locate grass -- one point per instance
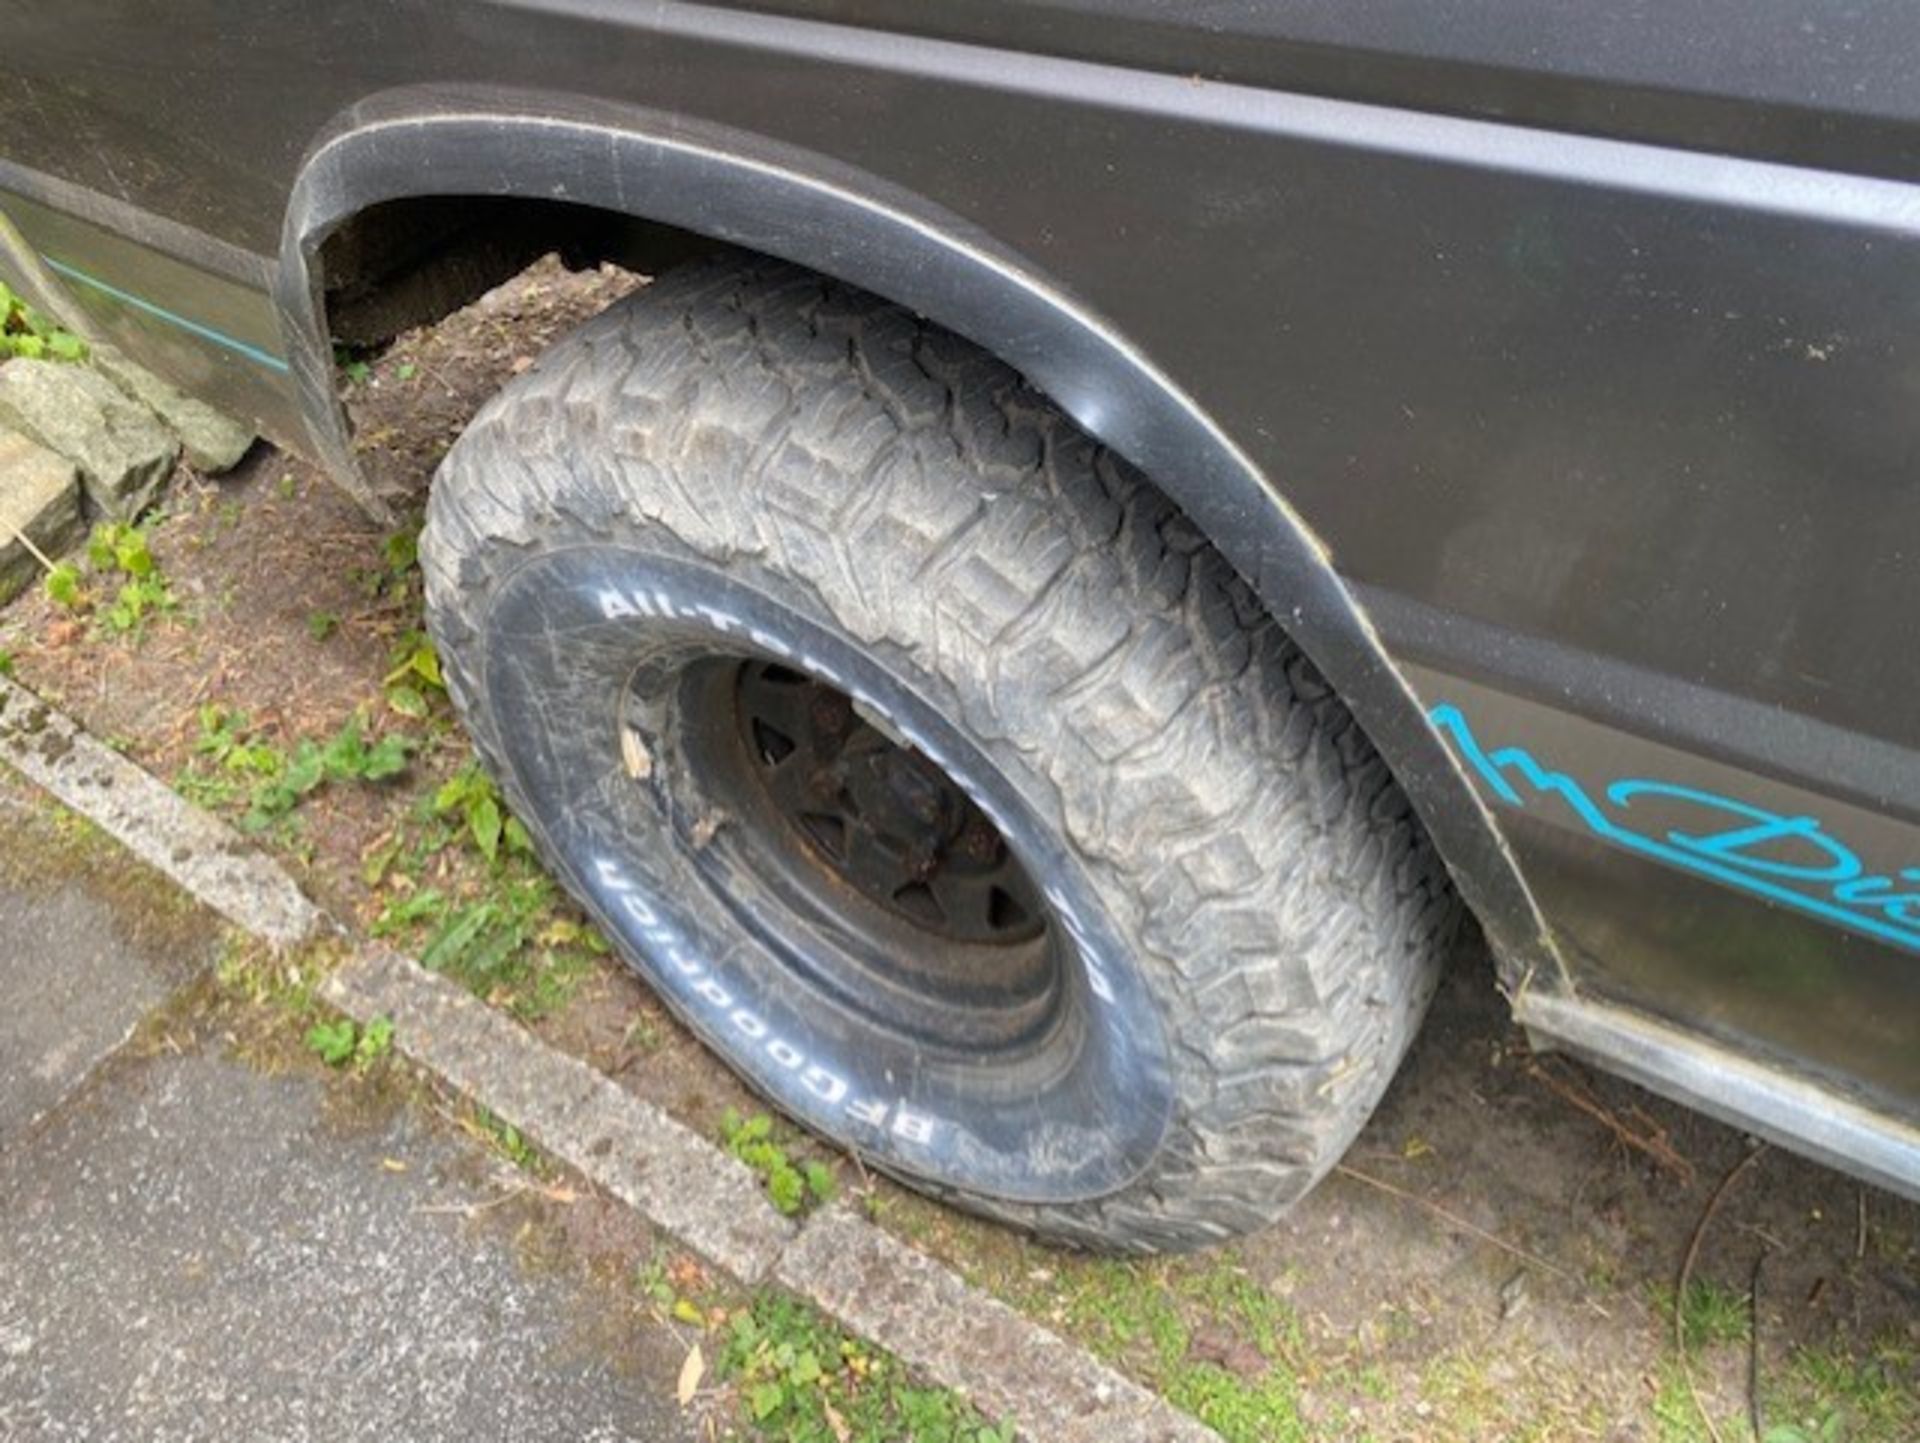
(1826, 1394)
(1710, 1315)
(1203, 1334)
(1676, 1418)
(1830, 1395)
(1480, 1393)
(1201, 1331)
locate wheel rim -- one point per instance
(940, 933)
(870, 811)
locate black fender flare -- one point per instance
(766, 196)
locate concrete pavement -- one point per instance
(191, 1248)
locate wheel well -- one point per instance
(362, 257)
(412, 262)
(406, 263)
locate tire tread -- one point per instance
(1253, 841)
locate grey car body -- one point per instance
(1551, 371)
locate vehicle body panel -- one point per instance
(1604, 426)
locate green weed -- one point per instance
(342, 1042)
(415, 682)
(65, 587)
(238, 767)
(790, 1184)
(123, 587)
(800, 1380)
(505, 1139)
(27, 334)
(507, 943)
(470, 795)
(500, 926)
(507, 947)
(354, 363)
(347, 756)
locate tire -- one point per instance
(1214, 924)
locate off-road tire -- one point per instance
(1253, 869)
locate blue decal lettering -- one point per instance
(1734, 846)
(1791, 860)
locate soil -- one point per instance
(1491, 1259)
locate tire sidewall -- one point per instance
(560, 637)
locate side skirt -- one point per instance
(1796, 1113)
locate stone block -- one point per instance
(212, 441)
(40, 499)
(122, 451)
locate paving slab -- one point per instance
(88, 945)
(195, 1250)
(123, 452)
(74, 992)
(40, 500)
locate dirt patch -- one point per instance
(1380, 1309)
(290, 602)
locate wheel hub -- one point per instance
(879, 816)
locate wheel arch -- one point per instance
(762, 195)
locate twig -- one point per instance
(1686, 1276)
(1755, 1415)
(1756, 1231)
(1860, 1237)
(34, 551)
(1652, 1142)
(1453, 1219)
(472, 1210)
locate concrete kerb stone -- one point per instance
(675, 1179)
(152, 821)
(875, 1285)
